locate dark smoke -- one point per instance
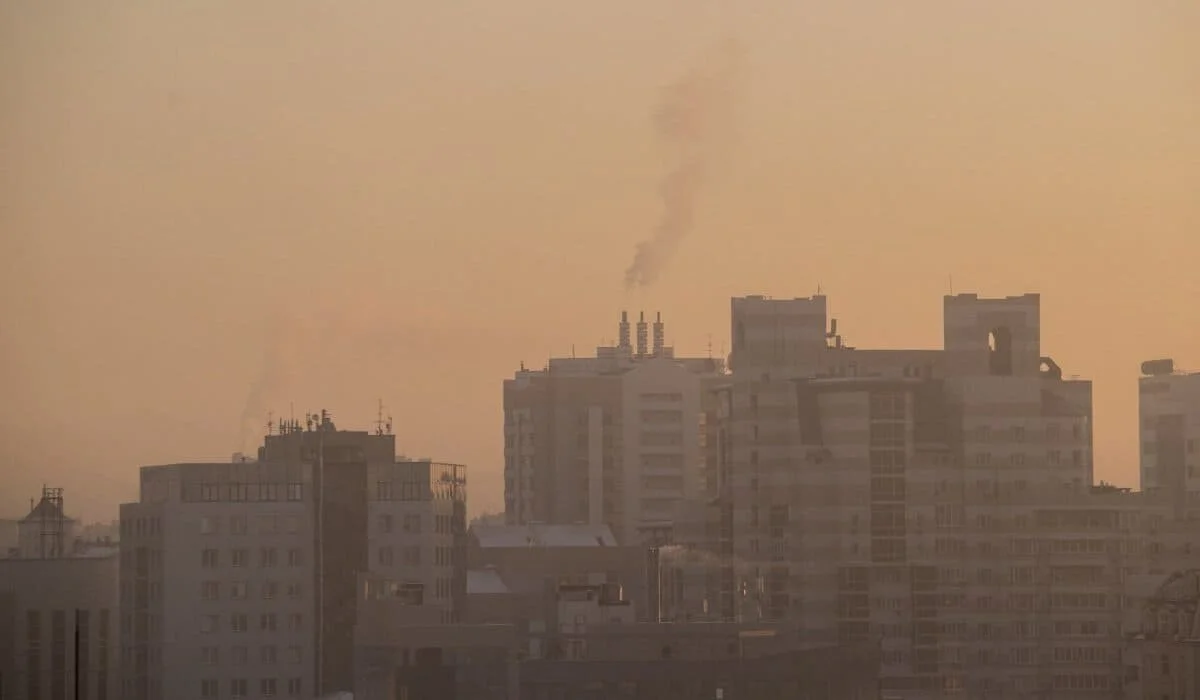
(693, 121)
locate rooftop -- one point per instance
(485, 582)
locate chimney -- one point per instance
(624, 332)
(641, 335)
(659, 337)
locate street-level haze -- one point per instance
(404, 201)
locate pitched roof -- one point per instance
(45, 509)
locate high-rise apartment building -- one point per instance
(242, 579)
(615, 439)
(1169, 408)
(939, 501)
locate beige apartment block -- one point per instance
(937, 501)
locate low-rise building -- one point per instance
(58, 612)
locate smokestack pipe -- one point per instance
(659, 336)
(623, 333)
(641, 335)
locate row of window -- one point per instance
(265, 524)
(210, 688)
(239, 623)
(240, 590)
(240, 656)
(268, 557)
(1054, 458)
(409, 556)
(211, 492)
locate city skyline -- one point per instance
(388, 219)
(94, 510)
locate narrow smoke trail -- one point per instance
(694, 123)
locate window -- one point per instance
(267, 656)
(209, 559)
(294, 590)
(295, 492)
(239, 557)
(294, 656)
(209, 656)
(295, 557)
(266, 622)
(269, 589)
(385, 523)
(267, 558)
(238, 525)
(209, 525)
(295, 622)
(385, 556)
(239, 655)
(209, 624)
(412, 523)
(267, 687)
(237, 590)
(295, 687)
(237, 688)
(237, 623)
(210, 590)
(208, 688)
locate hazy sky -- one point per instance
(404, 200)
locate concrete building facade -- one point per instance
(241, 579)
(938, 501)
(616, 439)
(1169, 409)
(58, 612)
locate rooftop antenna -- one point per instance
(379, 422)
(388, 426)
(270, 422)
(710, 346)
(951, 285)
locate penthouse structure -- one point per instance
(939, 501)
(242, 579)
(616, 439)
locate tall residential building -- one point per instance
(58, 611)
(940, 501)
(615, 439)
(242, 579)
(1169, 407)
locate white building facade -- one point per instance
(615, 439)
(241, 579)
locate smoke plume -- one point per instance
(693, 121)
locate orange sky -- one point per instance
(404, 200)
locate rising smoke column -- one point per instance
(694, 124)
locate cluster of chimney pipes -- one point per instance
(642, 328)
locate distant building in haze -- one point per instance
(242, 579)
(58, 610)
(1169, 411)
(616, 439)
